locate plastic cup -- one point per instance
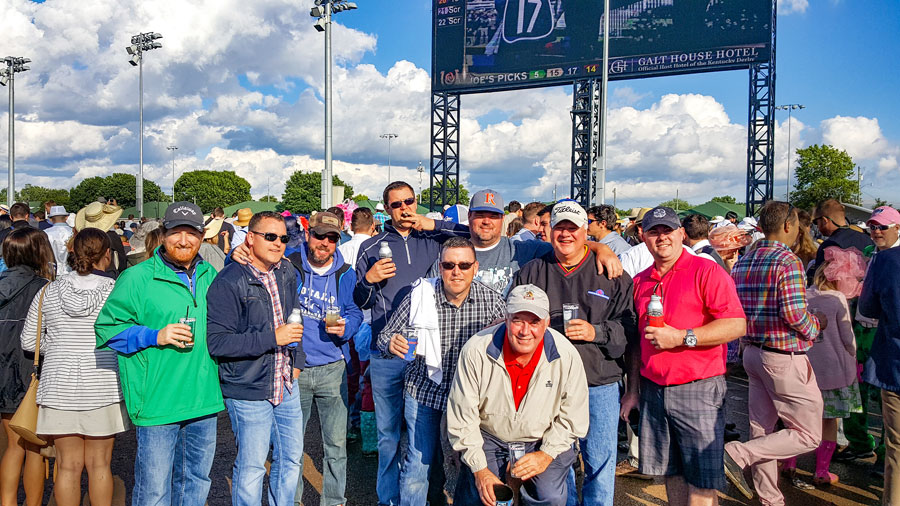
(190, 322)
(332, 316)
(503, 494)
(570, 312)
(516, 452)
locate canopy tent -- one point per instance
(712, 209)
(254, 206)
(153, 210)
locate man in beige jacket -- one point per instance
(493, 418)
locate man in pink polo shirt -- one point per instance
(677, 376)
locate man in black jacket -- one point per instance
(258, 353)
(604, 326)
(19, 214)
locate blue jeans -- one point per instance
(598, 449)
(388, 390)
(423, 425)
(256, 425)
(172, 464)
(327, 386)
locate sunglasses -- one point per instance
(332, 238)
(272, 237)
(463, 266)
(408, 202)
(880, 227)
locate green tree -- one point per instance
(40, 194)
(212, 188)
(118, 186)
(677, 204)
(269, 198)
(359, 197)
(725, 199)
(880, 202)
(425, 199)
(303, 192)
(824, 172)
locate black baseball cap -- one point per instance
(183, 213)
(661, 216)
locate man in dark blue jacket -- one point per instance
(415, 243)
(330, 319)
(258, 361)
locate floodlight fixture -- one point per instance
(320, 25)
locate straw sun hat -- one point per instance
(97, 215)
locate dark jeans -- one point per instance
(546, 489)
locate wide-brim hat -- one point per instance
(243, 217)
(97, 215)
(213, 228)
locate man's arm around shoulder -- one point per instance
(226, 335)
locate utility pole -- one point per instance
(389, 137)
(172, 149)
(614, 200)
(8, 77)
(140, 43)
(789, 108)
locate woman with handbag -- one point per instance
(79, 401)
(28, 255)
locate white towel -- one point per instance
(423, 316)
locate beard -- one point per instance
(183, 255)
(319, 256)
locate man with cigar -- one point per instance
(492, 416)
(155, 318)
(257, 352)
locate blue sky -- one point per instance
(238, 87)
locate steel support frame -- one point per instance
(761, 130)
(444, 187)
(585, 140)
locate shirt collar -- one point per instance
(682, 263)
(442, 297)
(260, 273)
(700, 244)
(770, 243)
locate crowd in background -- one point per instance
(499, 341)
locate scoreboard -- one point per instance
(483, 45)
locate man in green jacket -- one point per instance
(155, 318)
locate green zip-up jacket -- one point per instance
(162, 385)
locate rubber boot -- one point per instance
(788, 467)
(823, 462)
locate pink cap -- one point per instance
(286, 213)
(885, 215)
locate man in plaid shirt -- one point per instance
(463, 309)
(772, 287)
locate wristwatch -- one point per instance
(690, 339)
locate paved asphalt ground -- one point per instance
(857, 486)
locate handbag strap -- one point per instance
(40, 318)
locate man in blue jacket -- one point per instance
(330, 319)
(415, 242)
(258, 355)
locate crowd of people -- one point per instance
(476, 352)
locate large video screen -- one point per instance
(496, 44)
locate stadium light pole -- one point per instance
(140, 43)
(789, 108)
(323, 10)
(389, 137)
(604, 86)
(421, 170)
(8, 78)
(172, 149)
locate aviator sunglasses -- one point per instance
(410, 201)
(272, 237)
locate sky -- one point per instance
(239, 86)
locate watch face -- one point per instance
(690, 339)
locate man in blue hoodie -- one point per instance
(414, 242)
(326, 290)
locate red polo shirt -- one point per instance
(695, 292)
(520, 375)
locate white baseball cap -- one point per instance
(568, 210)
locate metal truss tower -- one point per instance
(444, 150)
(585, 140)
(761, 130)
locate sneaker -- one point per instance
(629, 468)
(735, 475)
(849, 455)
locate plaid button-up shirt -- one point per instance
(457, 324)
(281, 380)
(772, 287)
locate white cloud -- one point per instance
(791, 6)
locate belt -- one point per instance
(777, 350)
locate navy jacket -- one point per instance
(880, 299)
(413, 256)
(241, 331)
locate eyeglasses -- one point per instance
(408, 202)
(880, 227)
(816, 219)
(333, 238)
(272, 237)
(463, 266)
